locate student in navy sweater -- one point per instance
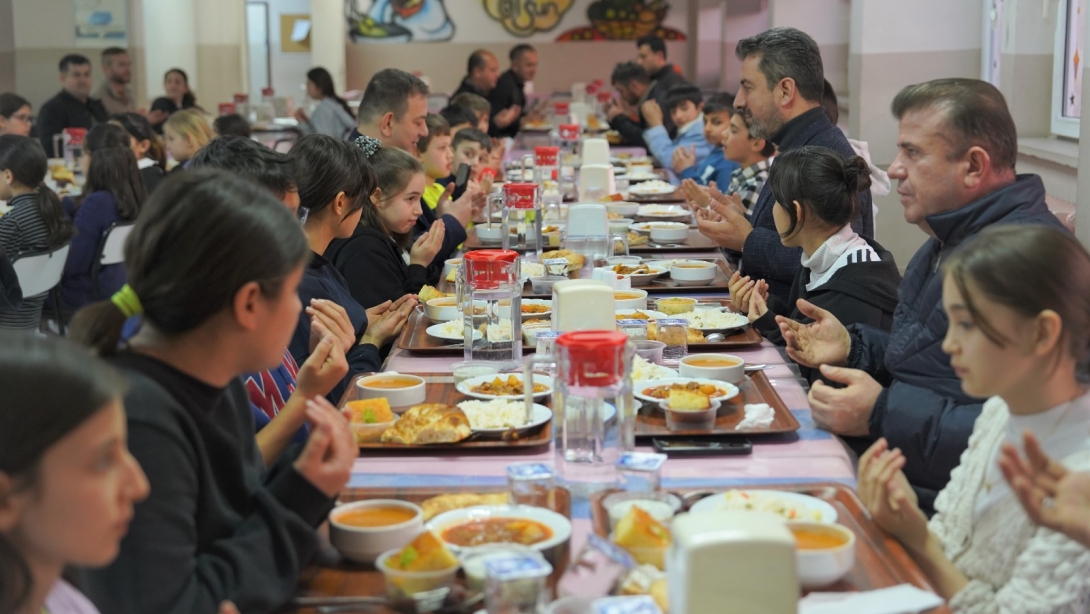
(718, 109)
(380, 261)
(335, 180)
(217, 525)
(112, 193)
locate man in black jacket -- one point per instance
(955, 173)
(781, 92)
(634, 86)
(651, 55)
(508, 98)
(73, 107)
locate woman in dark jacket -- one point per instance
(851, 276)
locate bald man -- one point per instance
(482, 73)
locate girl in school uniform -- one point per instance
(151, 155)
(185, 133)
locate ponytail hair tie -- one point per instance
(127, 301)
(368, 144)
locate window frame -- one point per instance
(1062, 125)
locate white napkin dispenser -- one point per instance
(588, 220)
(732, 562)
(596, 176)
(595, 151)
(583, 304)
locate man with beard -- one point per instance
(780, 96)
(634, 86)
(115, 93)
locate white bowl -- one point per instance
(626, 209)
(693, 270)
(669, 232)
(821, 567)
(557, 524)
(630, 299)
(734, 372)
(626, 260)
(659, 505)
(490, 233)
(619, 226)
(442, 309)
(690, 419)
(400, 399)
(449, 265)
(364, 544)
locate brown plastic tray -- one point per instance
(415, 338)
(755, 388)
(880, 561)
(332, 576)
(440, 389)
(695, 243)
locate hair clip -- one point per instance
(368, 144)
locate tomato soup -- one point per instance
(376, 516)
(712, 363)
(809, 539)
(391, 382)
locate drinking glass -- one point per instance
(675, 334)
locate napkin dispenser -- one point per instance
(580, 111)
(583, 304)
(588, 220)
(596, 177)
(595, 151)
(732, 562)
(579, 91)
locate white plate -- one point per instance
(559, 525)
(732, 390)
(466, 386)
(655, 315)
(718, 502)
(645, 278)
(663, 211)
(741, 322)
(652, 188)
(643, 228)
(643, 177)
(545, 315)
(542, 415)
(434, 331)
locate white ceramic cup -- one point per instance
(363, 544)
(732, 371)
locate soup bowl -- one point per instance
(630, 299)
(490, 233)
(402, 391)
(455, 526)
(693, 271)
(362, 530)
(669, 232)
(722, 367)
(824, 553)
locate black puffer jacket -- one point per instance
(923, 410)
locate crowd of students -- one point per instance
(185, 465)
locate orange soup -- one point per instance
(377, 516)
(808, 539)
(391, 382)
(712, 363)
(626, 296)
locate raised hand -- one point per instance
(887, 495)
(731, 232)
(326, 460)
(652, 112)
(323, 369)
(428, 244)
(757, 304)
(695, 194)
(824, 341)
(331, 319)
(1052, 496)
(384, 327)
(740, 287)
(684, 157)
(844, 411)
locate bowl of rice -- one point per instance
(498, 416)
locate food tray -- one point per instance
(664, 285)
(695, 243)
(677, 196)
(440, 389)
(415, 338)
(742, 338)
(880, 561)
(755, 388)
(332, 576)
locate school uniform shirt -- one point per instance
(662, 146)
(375, 267)
(330, 118)
(216, 525)
(66, 111)
(92, 219)
(151, 172)
(747, 183)
(432, 194)
(23, 230)
(322, 280)
(714, 167)
(269, 391)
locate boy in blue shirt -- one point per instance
(684, 103)
(715, 166)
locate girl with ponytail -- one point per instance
(214, 264)
(35, 223)
(332, 116)
(855, 278)
(151, 154)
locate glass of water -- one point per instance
(472, 368)
(675, 334)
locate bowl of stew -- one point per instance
(524, 525)
(362, 530)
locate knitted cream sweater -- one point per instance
(1013, 566)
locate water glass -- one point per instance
(622, 185)
(472, 368)
(516, 583)
(635, 329)
(640, 471)
(675, 334)
(530, 483)
(618, 238)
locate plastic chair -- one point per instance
(111, 250)
(41, 272)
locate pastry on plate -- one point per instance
(445, 503)
(428, 293)
(429, 423)
(575, 261)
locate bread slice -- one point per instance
(639, 530)
(429, 423)
(445, 503)
(688, 400)
(425, 553)
(674, 306)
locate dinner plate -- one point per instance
(718, 502)
(557, 524)
(643, 279)
(644, 228)
(652, 188)
(731, 389)
(542, 415)
(643, 177)
(655, 315)
(435, 331)
(466, 387)
(741, 322)
(663, 212)
(544, 315)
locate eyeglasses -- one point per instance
(25, 118)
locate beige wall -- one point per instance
(7, 47)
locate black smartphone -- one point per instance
(703, 447)
(461, 178)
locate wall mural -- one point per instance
(399, 21)
(526, 17)
(624, 20)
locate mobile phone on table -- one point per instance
(461, 178)
(708, 446)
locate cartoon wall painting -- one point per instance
(399, 21)
(527, 17)
(624, 20)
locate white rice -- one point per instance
(494, 414)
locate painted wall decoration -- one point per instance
(101, 23)
(526, 17)
(399, 21)
(624, 20)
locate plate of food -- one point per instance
(714, 320)
(526, 525)
(488, 387)
(640, 314)
(658, 389)
(639, 274)
(789, 505)
(531, 269)
(536, 308)
(636, 238)
(500, 416)
(451, 331)
(643, 176)
(661, 212)
(654, 187)
(575, 261)
(645, 371)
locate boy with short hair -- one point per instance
(752, 154)
(718, 110)
(684, 104)
(478, 104)
(472, 147)
(459, 118)
(437, 157)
